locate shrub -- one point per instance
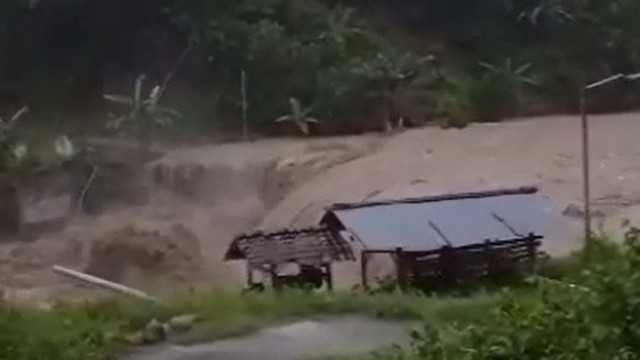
(592, 315)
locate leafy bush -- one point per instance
(591, 315)
(494, 94)
(64, 334)
(12, 151)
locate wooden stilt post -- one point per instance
(273, 272)
(249, 275)
(488, 259)
(532, 252)
(328, 276)
(364, 259)
(400, 268)
(447, 266)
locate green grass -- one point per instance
(95, 330)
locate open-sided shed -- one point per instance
(312, 250)
(448, 237)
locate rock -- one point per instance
(137, 338)
(576, 211)
(45, 305)
(573, 211)
(154, 332)
(110, 336)
(182, 322)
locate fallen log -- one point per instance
(105, 284)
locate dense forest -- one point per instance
(350, 64)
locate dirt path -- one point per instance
(301, 340)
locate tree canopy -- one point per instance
(61, 56)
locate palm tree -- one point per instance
(11, 151)
(298, 116)
(6, 125)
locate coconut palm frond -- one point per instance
(154, 98)
(303, 126)
(487, 66)
(163, 120)
(118, 99)
(19, 114)
(284, 118)
(298, 116)
(523, 69)
(137, 91)
(64, 147)
(164, 111)
(296, 108)
(117, 123)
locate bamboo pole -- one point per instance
(105, 284)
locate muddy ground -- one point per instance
(286, 182)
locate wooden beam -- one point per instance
(249, 274)
(329, 276)
(273, 272)
(364, 260)
(401, 274)
(532, 249)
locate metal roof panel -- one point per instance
(426, 226)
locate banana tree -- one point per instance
(12, 154)
(546, 11)
(509, 75)
(385, 73)
(144, 113)
(511, 71)
(298, 116)
(341, 28)
(12, 151)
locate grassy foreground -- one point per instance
(590, 312)
(578, 310)
(86, 331)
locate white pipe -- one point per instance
(105, 284)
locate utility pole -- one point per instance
(586, 169)
(245, 106)
(586, 178)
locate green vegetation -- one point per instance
(355, 62)
(298, 116)
(591, 313)
(143, 113)
(577, 309)
(12, 151)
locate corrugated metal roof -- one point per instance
(424, 224)
(313, 246)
